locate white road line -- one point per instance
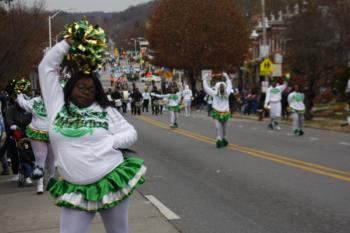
(254, 128)
(240, 126)
(170, 215)
(344, 143)
(290, 134)
(313, 139)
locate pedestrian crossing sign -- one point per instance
(266, 67)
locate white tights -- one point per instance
(187, 107)
(43, 155)
(298, 120)
(173, 117)
(115, 220)
(220, 129)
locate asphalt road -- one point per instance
(264, 182)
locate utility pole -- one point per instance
(264, 43)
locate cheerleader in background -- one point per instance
(187, 98)
(174, 99)
(37, 131)
(220, 106)
(273, 103)
(297, 108)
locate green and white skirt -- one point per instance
(37, 134)
(176, 108)
(106, 193)
(221, 116)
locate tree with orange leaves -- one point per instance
(198, 34)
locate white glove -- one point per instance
(225, 75)
(13, 127)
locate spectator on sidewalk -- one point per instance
(3, 159)
(117, 98)
(16, 119)
(136, 102)
(347, 91)
(146, 96)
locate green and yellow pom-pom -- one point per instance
(22, 86)
(89, 43)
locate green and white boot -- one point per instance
(225, 142)
(219, 143)
(301, 132)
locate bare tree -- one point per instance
(198, 34)
(311, 49)
(23, 39)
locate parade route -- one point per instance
(263, 182)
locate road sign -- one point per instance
(266, 67)
(277, 70)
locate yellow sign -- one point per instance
(266, 67)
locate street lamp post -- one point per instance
(135, 40)
(49, 19)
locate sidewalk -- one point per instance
(21, 210)
(316, 122)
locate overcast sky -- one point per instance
(90, 5)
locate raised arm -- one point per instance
(51, 90)
(206, 87)
(228, 83)
(160, 96)
(283, 86)
(25, 104)
(124, 135)
(290, 97)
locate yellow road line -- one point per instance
(315, 168)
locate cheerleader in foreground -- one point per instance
(88, 136)
(220, 106)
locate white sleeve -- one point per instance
(348, 87)
(283, 86)
(207, 89)
(124, 134)
(25, 104)
(51, 90)
(161, 96)
(228, 84)
(290, 96)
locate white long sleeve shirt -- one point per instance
(173, 99)
(86, 141)
(37, 108)
(220, 103)
(146, 95)
(274, 94)
(296, 101)
(187, 94)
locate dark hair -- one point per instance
(100, 97)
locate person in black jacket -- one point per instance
(136, 102)
(16, 119)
